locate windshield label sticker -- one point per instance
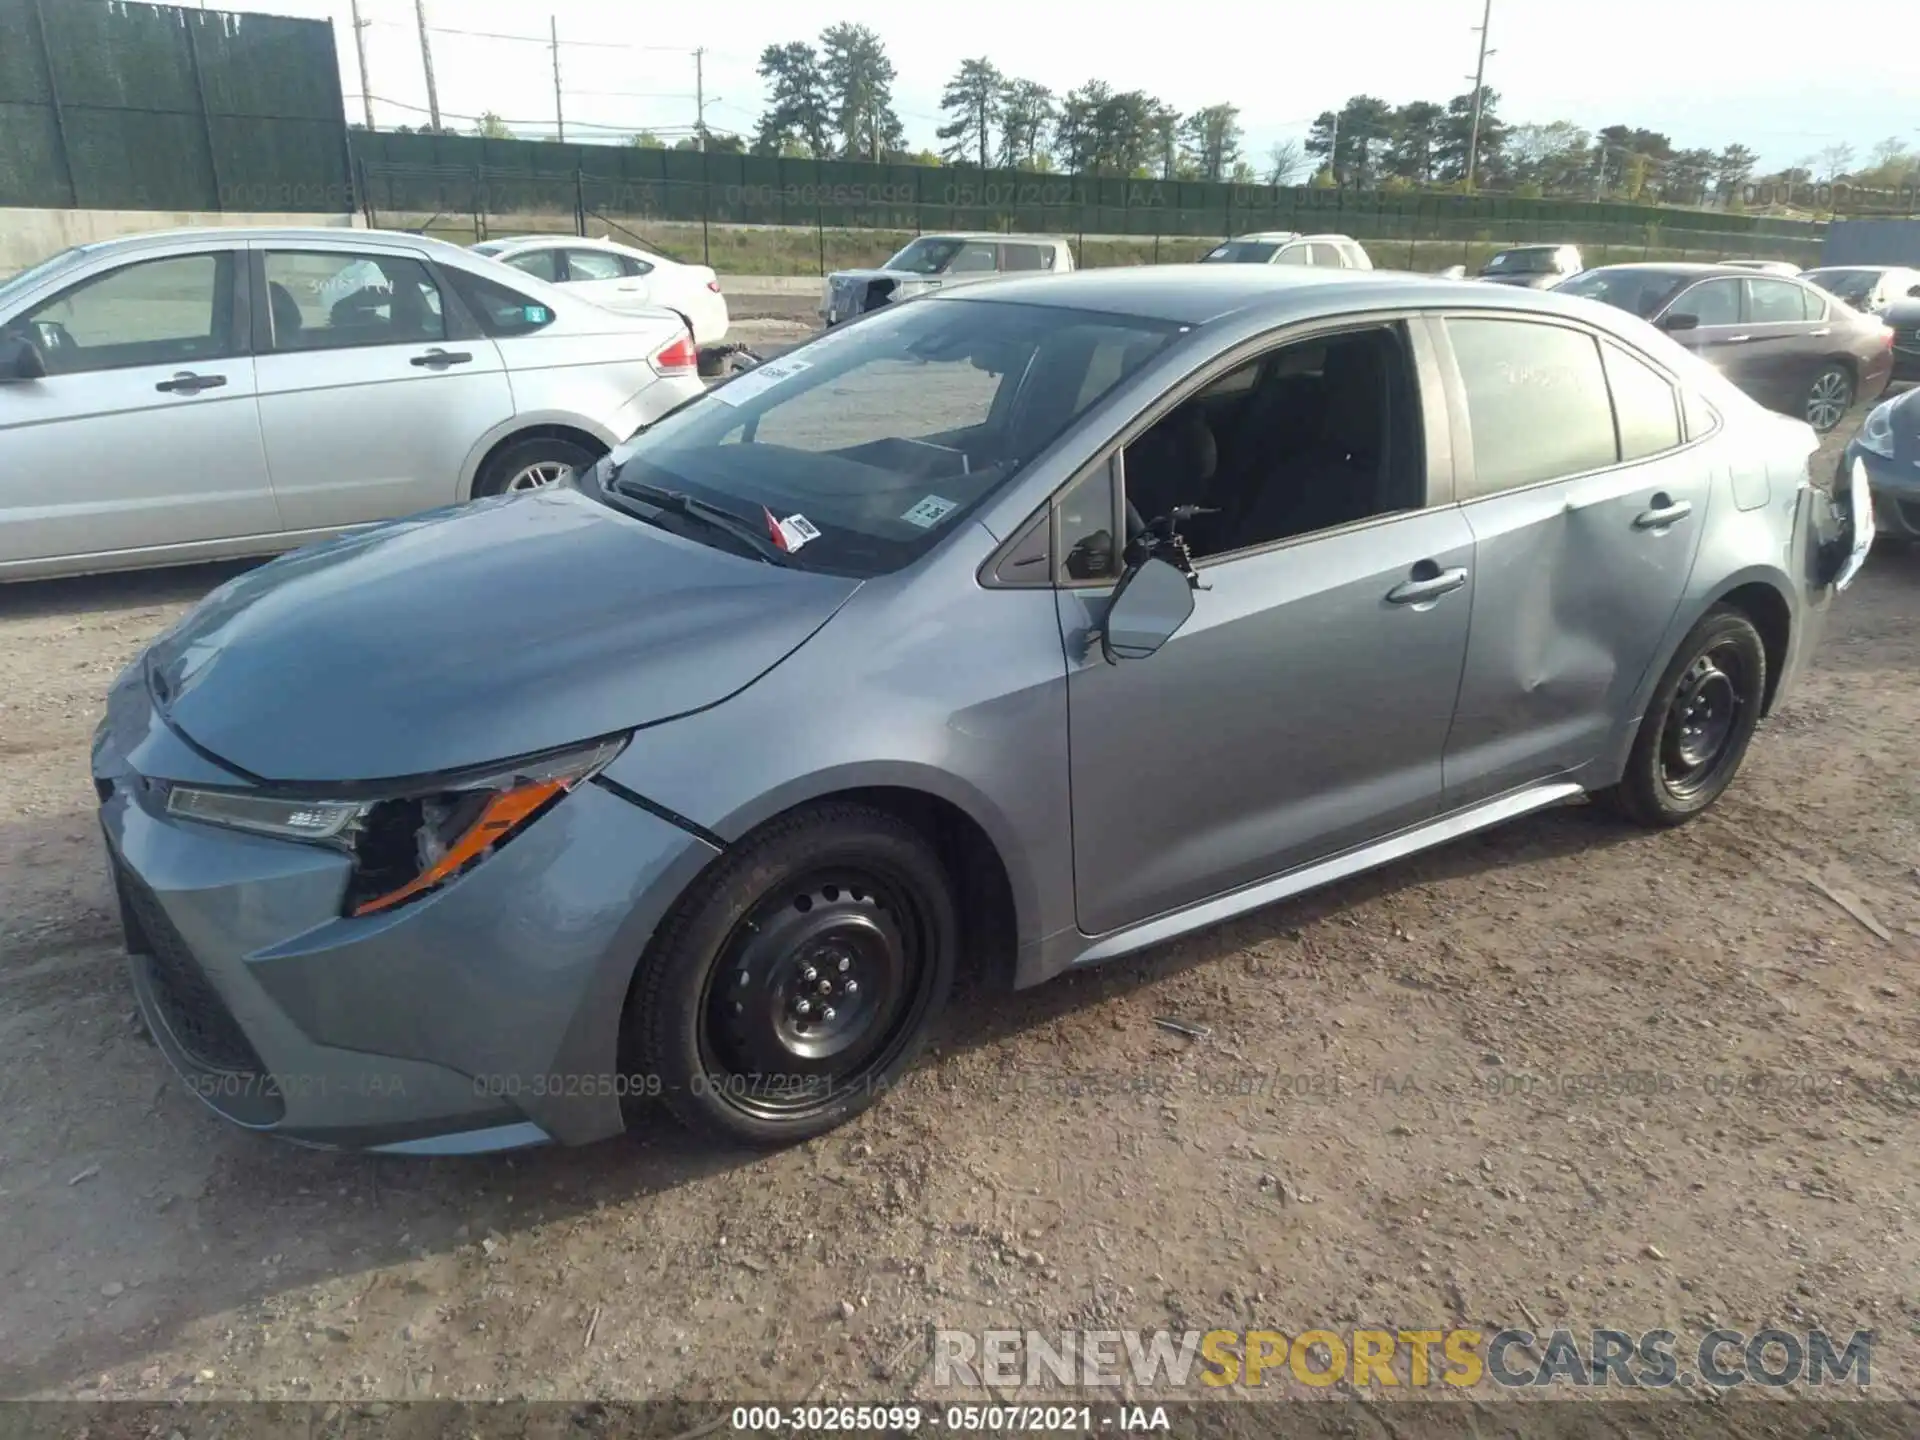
(791, 533)
(928, 512)
(760, 379)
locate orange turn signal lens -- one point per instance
(504, 813)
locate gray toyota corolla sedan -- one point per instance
(1036, 624)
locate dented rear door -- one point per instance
(1578, 575)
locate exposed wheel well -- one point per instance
(538, 432)
(1763, 605)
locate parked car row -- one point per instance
(1385, 560)
(203, 394)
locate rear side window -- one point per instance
(1643, 403)
(1702, 418)
(593, 265)
(1293, 255)
(1536, 402)
(974, 258)
(1713, 302)
(332, 300)
(1775, 302)
(501, 311)
(1023, 257)
(1328, 255)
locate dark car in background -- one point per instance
(1790, 345)
(1903, 318)
(1888, 445)
(1538, 267)
(1871, 289)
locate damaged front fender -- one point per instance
(1843, 527)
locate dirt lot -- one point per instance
(1370, 1133)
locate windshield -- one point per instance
(1244, 252)
(1523, 262)
(862, 448)
(1639, 292)
(20, 279)
(1852, 286)
(928, 255)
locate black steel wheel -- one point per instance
(798, 979)
(1698, 725)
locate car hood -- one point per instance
(473, 634)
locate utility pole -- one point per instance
(1600, 175)
(1333, 151)
(700, 98)
(1479, 90)
(426, 61)
(559, 115)
(360, 49)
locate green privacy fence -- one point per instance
(122, 106)
(472, 187)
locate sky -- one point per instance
(1705, 72)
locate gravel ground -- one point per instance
(1369, 1131)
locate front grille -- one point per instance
(202, 1026)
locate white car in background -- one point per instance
(205, 394)
(621, 277)
(1290, 247)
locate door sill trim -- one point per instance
(1261, 893)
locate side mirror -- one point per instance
(20, 359)
(1150, 603)
(1681, 320)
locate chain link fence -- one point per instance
(808, 229)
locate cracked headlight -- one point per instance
(409, 843)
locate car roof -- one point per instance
(290, 234)
(1196, 294)
(991, 235)
(1689, 268)
(1259, 237)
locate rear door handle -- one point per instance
(440, 359)
(1731, 340)
(188, 383)
(1823, 330)
(1662, 513)
(1426, 588)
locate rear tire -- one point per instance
(797, 980)
(1829, 398)
(531, 464)
(1698, 724)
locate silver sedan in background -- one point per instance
(203, 394)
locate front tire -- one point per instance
(798, 979)
(1828, 398)
(531, 464)
(1698, 724)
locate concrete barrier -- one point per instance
(29, 236)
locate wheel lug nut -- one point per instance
(802, 1007)
(844, 965)
(852, 987)
(809, 974)
(826, 1012)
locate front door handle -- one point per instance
(438, 359)
(1426, 588)
(1662, 513)
(188, 383)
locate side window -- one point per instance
(502, 312)
(593, 265)
(1086, 519)
(323, 300)
(1702, 418)
(1022, 257)
(1293, 255)
(1536, 402)
(1324, 435)
(976, 257)
(1815, 302)
(175, 311)
(630, 266)
(541, 264)
(1774, 302)
(1644, 405)
(1716, 302)
(1328, 255)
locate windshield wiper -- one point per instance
(692, 508)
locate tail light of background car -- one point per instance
(714, 286)
(677, 357)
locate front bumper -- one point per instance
(1896, 492)
(483, 1016)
